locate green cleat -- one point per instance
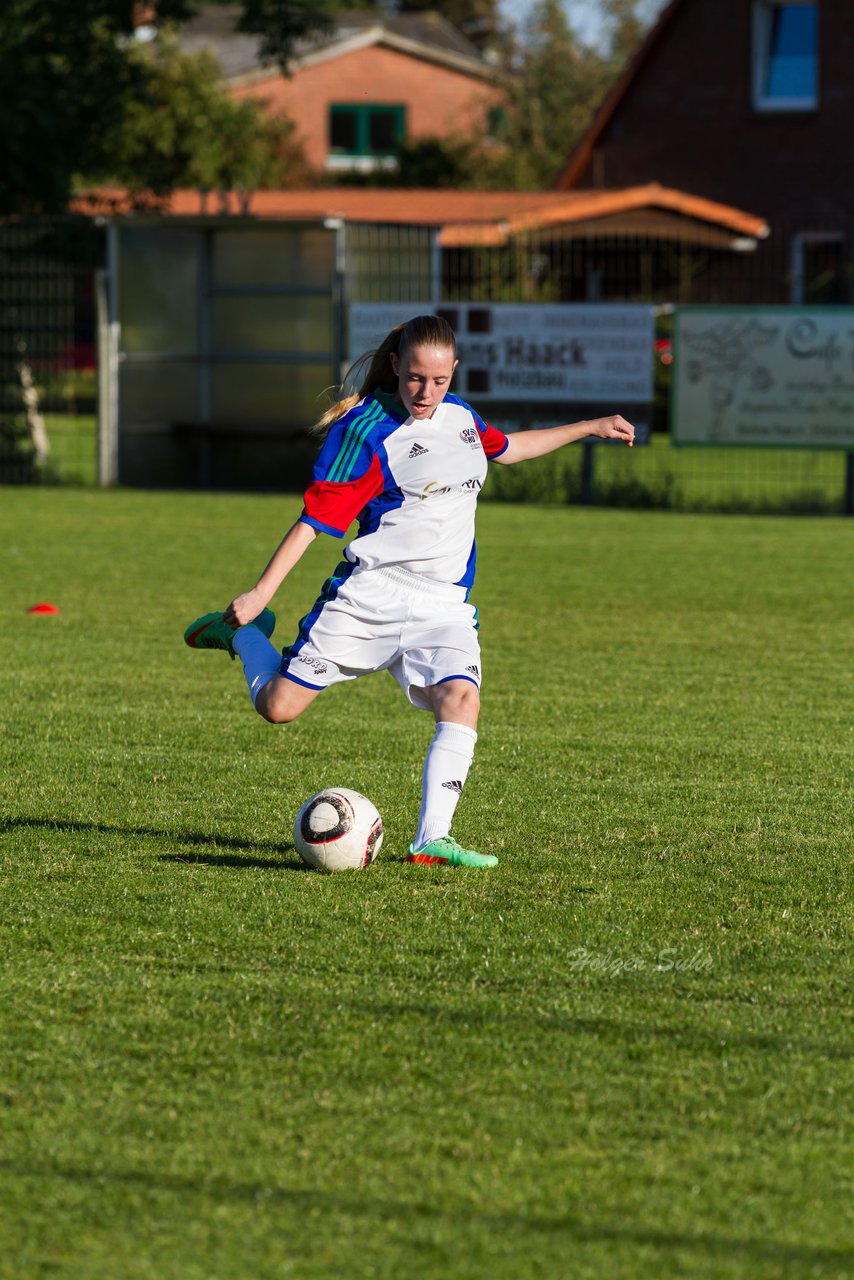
(211, 632)
(447, 851)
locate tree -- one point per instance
(554, 82)
(68, 77)
(65, 78)
(181, 130)
(626, 28)
(281, 24)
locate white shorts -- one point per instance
(386, 620)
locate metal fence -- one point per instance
(49, 380)
(48, 375)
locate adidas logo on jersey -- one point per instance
(417, 450)
(454, 786)
(473, 669)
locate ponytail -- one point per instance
(420, 331)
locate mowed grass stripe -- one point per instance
(615, 1055)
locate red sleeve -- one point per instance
(332, 507)
(494, 441)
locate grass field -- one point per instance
(73, 455)
(624, 1053)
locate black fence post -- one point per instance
(587, 472)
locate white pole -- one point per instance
(108, 364)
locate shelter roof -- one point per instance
(462, 218)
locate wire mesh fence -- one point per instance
(667, 264)
(47, 350)
(754, 481)
(49, 379)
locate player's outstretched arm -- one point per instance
(247, 606)
(522, 445)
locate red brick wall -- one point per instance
(688, 120)
(439, 102)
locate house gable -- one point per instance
(426, 36)
(684, 113)
(349, 41)
(435, 97)
(394, 77)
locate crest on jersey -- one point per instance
(469, 436)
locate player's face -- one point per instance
(423, 378)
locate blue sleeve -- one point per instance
(348, 449)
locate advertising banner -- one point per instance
(534, 353)
(779, 376)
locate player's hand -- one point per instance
(243, 609)
(616, 428)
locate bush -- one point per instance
(18, 463)
(555, 480)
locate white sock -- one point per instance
(449, 758)
(261, 660)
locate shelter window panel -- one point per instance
(272, 324)
(785, 55)
(153, 394)
(257, 256)
(157, 282)
(271, 394)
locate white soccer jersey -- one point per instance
(412, 485)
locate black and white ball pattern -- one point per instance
(338, 830)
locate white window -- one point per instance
(785, 55)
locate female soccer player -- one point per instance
(407, 459)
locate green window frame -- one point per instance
(496, 122)
(366, 129)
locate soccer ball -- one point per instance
(338, 830)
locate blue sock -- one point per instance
(261, 660)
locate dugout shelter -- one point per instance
(215, 336)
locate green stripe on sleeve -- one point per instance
(354, 438)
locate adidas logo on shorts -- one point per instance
(417, 450)
(474, 670)
(454, 786)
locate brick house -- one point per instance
(748, 103)
(376, 81)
